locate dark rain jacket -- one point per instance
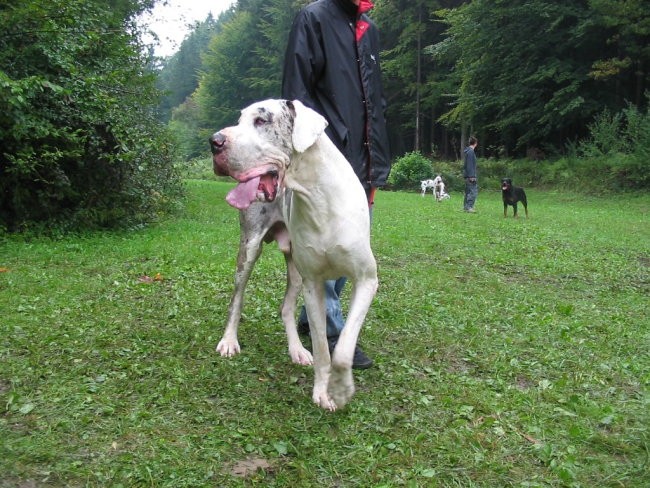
(469, 168)
(332, 65)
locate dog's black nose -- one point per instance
(217, 142)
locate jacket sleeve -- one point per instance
(303, 61)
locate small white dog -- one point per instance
(437, 188)
(426, 184)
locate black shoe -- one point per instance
(359, 360)
(303, 328)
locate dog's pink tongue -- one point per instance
(243, 194)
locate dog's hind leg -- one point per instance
(297, 352)
(524, 202)
(314, 296)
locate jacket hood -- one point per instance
(353, 10)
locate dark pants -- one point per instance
(471, 192)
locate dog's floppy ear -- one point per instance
(308, 125)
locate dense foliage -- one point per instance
(79, 140)
(243, 63)
(82, 144)
(525, 77)
(613, 157)
(180, 75)
(535, 73)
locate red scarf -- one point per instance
(362, 26)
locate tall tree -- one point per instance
(521, 73)
(624, 60)
(410, 73)
(242, 64)
(223, 89)
(179, 74)
(273, 24)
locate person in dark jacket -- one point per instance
(332, 66)
(470, 174)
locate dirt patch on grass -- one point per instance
(18, 483)
(249, 466)
(454, 363)
(4, 386)
(523, 383)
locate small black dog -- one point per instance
(511, 195)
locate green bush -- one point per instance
(79, 143)
(618, 149)
(409, 170)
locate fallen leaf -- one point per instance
(531, 439)
(4, 270)
(249, 466)
(281, 447)
(25, 409)
(158, 277)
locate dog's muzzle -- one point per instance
(217, 142)
(219, 157)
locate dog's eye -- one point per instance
(259, 121)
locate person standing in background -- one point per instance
(470, 174)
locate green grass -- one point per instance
(508, 353)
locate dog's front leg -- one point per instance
(250, 248)
(341, 382)
(314, 295)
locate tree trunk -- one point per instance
(463, 139)
(416, 143)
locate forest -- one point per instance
(93, 125)
(525, 77)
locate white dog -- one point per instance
(437, 188)
(279, 150)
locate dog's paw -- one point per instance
(341, 385)
(300, 355)
(228, 348)
(323, 400)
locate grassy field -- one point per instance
(507, 353)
